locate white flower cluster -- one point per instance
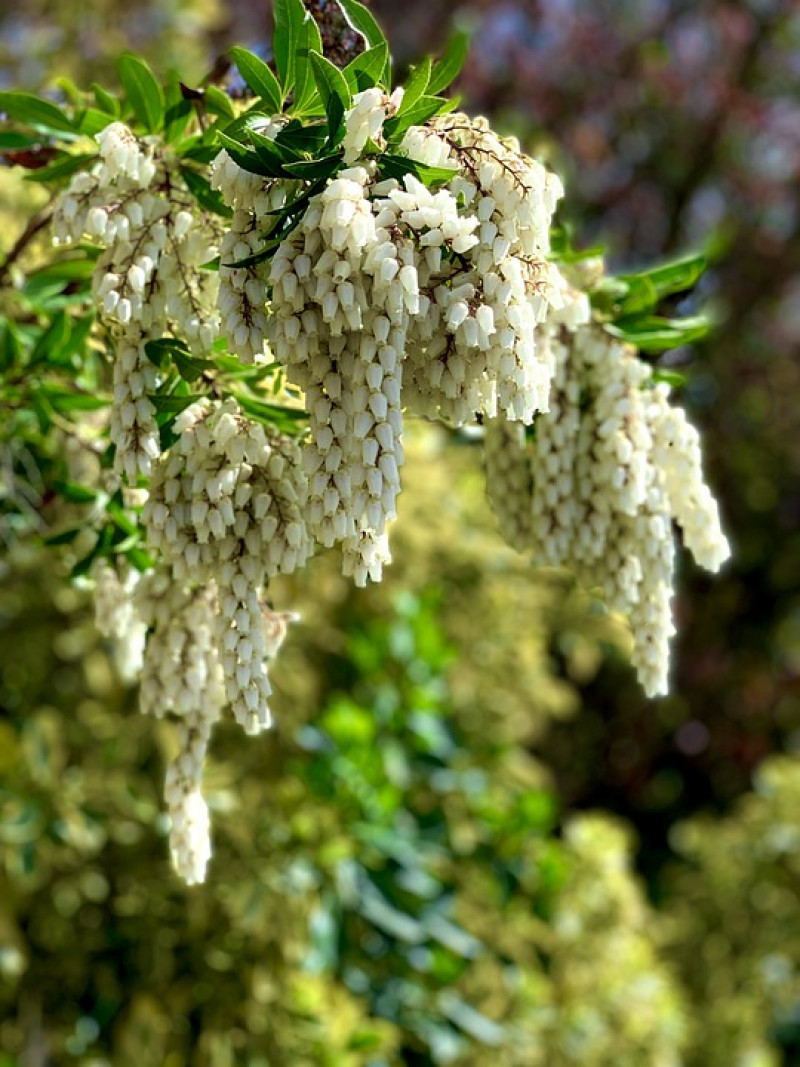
(390, 295)
(387, 297)
(242, 290)
(182, 674)
(116, 616)
(608, 469)
(148, 280)
(226, 505)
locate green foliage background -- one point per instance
(400, 875)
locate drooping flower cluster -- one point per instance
(226, 505)
(608, 469)
(414, 280)
(148, 280)
(182, 675)
(389, 295)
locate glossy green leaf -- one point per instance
(419, 113)
(10, 347)
(177, 110)
(258, 76)
(416, 84)
(672, 378)
(289, 35)
(65, 400)
(656, 334)
(315, 169)
(90, 121)
(450, 65)
(305, 88)
(171, 404)
(398, 166)
(76, 494)
(248, 160)
(33, 111)
(205, 196)
(52, 340)
(367, 69)
(288, 420)
(70, 91)
(334, 90)
(675, 277)
(106, 101)
(363, 22)
(63, 167)
(218, 103)
(12, 140)
(142, 91)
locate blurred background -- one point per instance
(413, 868)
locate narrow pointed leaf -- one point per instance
(449, 66)
(205, 196)
(33, 111)
(259, 78)
(142, 91)
(333, 89)
(367, 69)
(416, 84)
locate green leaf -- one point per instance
(177, 109)
(172, 405)
(65, 537)
(674, 277)
(218, 103)
(334, 90)
(205, 196)
(449, 66)
(33, 111)
(641, 298)
(287, 420)
(398, 166)
(261, 256)
(270, 153)
(416, 84)
(248, 160)
(656, 334)
(367, 69)
(106, 101)
(70, 91)
(289, 35)
(362, 21)
(49, 346)
(672, 378)
(90, 121)
(12, 140)
(299, 138)
(418, 114)
(259, 78)
(75, 269)
(10, 347)
(77, 494)
(141, 560)
(189, 367)
(64, 400)
(305, 91)
(63, 167)
(315, 169)
(142, 91)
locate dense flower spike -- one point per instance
(608, 469)
(149, 279)
(226, 505)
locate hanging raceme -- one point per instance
(277, 285)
